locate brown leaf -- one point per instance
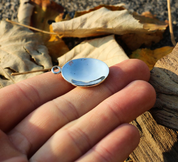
(105, 49)
(99, 22)
(104, 21)
(25, 12)
(135, 40)
(20, 50)
(56, 47)
(150, 57)
(46, 12)
(109, 7)
(150, 22)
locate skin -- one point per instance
(44, 118)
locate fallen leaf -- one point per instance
(25, 12)
(45, 12)
(105, 49)
(56, 46)
(99, 22)
(104, 21)
(20, 50)
(150, 23)
(135, 40)
(118, 7)
(148, 14)
(150, 57)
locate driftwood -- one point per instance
(158, 127)
(164, 78)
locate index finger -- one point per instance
(18, 100)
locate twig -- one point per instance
(13, 22)
(170, 23)
(27, 72)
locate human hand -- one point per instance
(46, 119)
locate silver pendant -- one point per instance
(83, 72)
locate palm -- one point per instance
(46, 119)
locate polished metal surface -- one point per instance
(56, 69)
(85, 72)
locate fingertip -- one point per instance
(136, 98)
(135, 68)
(143, 92)
(133, 135)
(127, 71)
(149, 93)
(121, 142)
(141, 67)
(128, 141)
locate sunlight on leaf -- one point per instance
(105, 49)
(20, 50)
(150, 57)
(104, 21)
(25, 12)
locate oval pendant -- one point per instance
(84, 72)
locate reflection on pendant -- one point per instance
(84, 72)
(88, 84)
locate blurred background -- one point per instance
(9, 9)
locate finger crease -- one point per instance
(86, 138)
(61, 112)
(80, 139)
(110, 89)
(104, 154)
(113, 112)
(71, 107)
(20, 141)
(37, 96)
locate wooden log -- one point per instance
(157, 143)
(158, 127)
(164, 78)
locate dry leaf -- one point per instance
(20, 50)
(45, 12)
(105, 49)
(150, 57)
(104, 21)
(150, 23)
(25, 12)
(99, 22)
(118, 7)
(135, 40)
(56, 47)
(148, 14)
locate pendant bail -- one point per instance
(56, 69)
